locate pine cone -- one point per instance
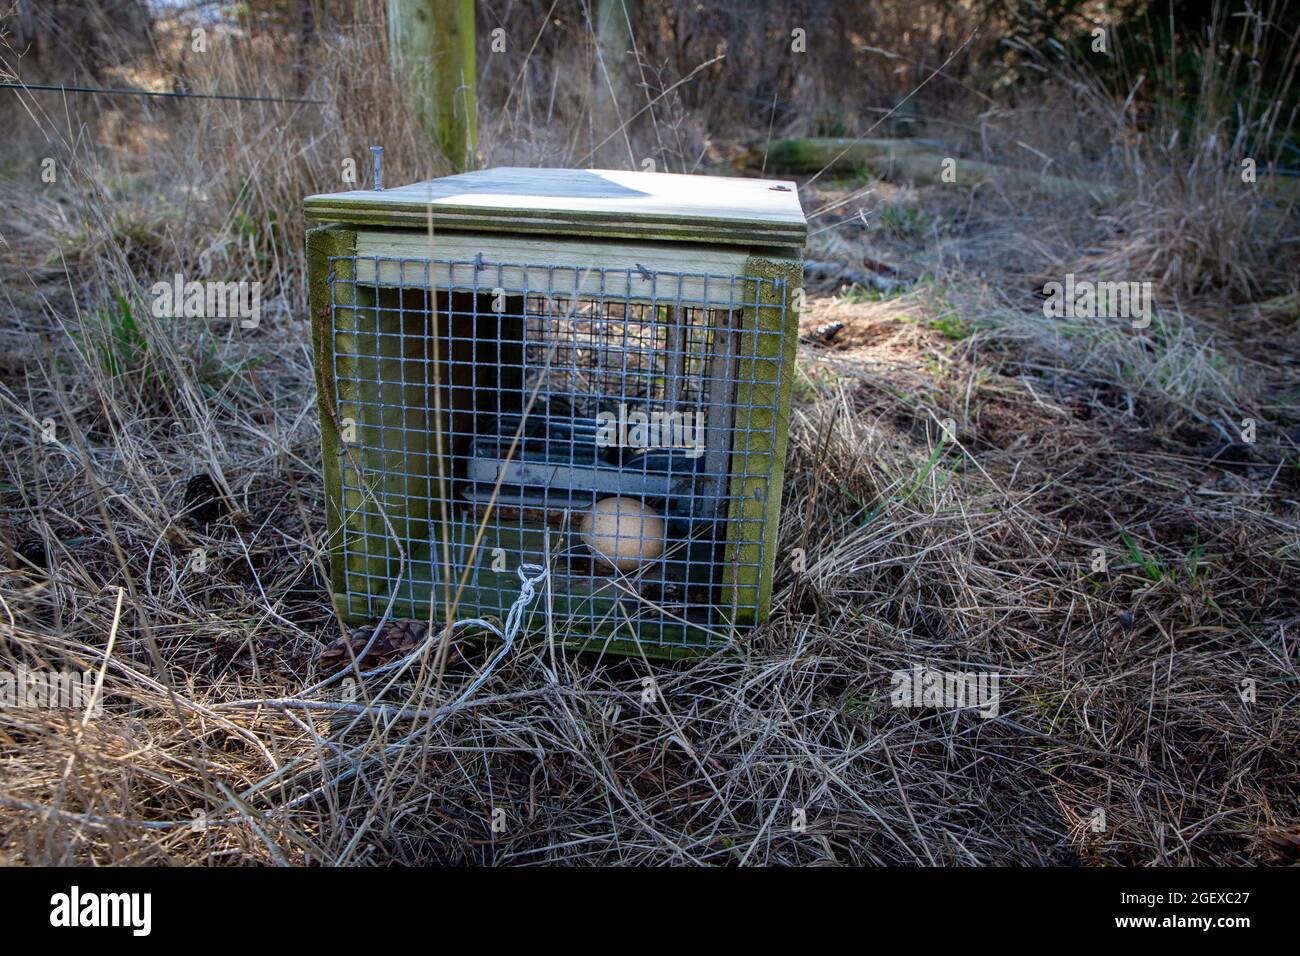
(397, 639)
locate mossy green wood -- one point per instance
(615, 100)
(432, 46)
(766, 346)
(375, 427)
(323, 243)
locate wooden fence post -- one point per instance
(432, 43)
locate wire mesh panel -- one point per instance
(618, 426)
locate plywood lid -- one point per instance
(584, 202)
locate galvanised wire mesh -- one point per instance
(617, 426)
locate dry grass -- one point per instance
(969, 549)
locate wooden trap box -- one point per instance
(588, 370)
